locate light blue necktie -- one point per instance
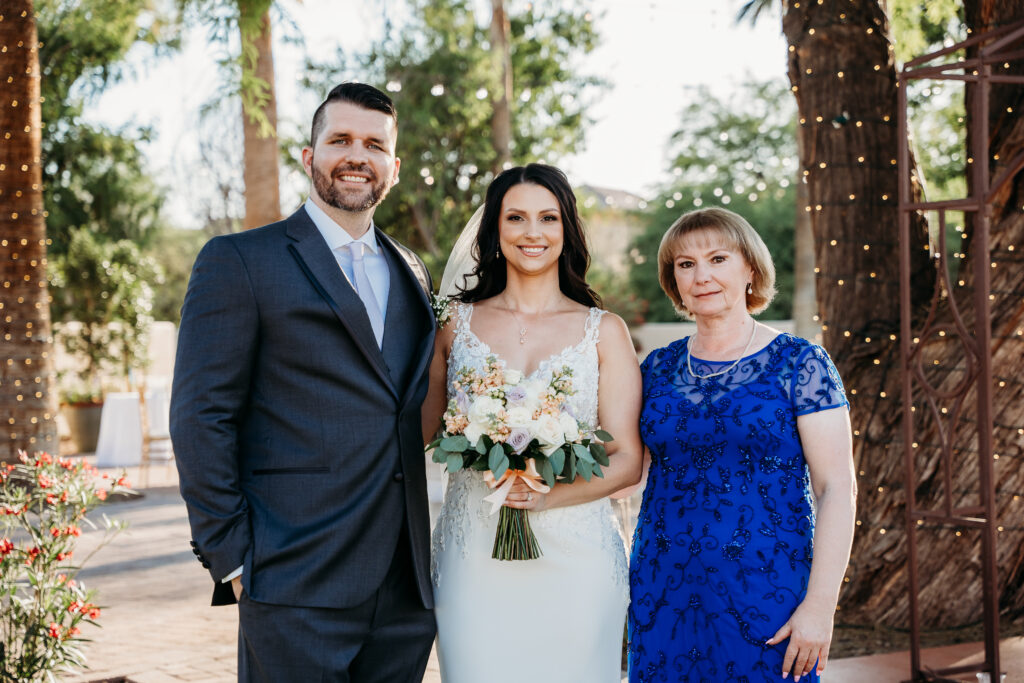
(365, 291)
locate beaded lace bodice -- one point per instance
(463, 505)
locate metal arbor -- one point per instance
(937, 401)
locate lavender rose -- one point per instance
(519, 438)
(515, 395)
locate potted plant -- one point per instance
(102, 311)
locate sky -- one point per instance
(653, 53)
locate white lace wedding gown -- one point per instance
(556, 619)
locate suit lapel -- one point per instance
(419, 281)
(319, 264)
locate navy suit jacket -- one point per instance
(298, 440)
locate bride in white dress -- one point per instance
(559, 618)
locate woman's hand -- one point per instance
(809, 630)
(522, 497)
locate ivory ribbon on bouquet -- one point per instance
(530, 476)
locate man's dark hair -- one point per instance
(360, 94)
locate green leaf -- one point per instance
(603, 435)
(547, 472)
(497, 460)
(481, 446)
(585, 469)
(583, 453)
(454, 462)
(439, 455)
(557, 460)
(600, 454)
(455, 444)
(434, 444)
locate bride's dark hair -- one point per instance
(574, 260)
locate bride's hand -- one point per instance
(522, 497)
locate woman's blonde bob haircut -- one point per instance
(734, 230)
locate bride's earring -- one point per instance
(497, 254)
(750, 288)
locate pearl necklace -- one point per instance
(689, 366)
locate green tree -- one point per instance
(91, 174)
(107, 287)
(440, 74)
(738, 153)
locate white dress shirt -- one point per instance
(373, 260)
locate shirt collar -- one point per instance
(334, 234)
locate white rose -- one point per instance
(482, 408)
(548, 433)
(534, 388)
(570, 427)
(473, 432)
(513, 377)
(520, 416)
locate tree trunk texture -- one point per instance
(262, 185)
(501, 51)
(28, 402)
(843, 77)
(805, 303)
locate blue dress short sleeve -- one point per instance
(815, 384)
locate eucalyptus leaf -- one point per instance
(584, 468)
(547, 472)
(455, 444)
(603, 435)
(497, 460)
(599, 453)
(583, 453)
(557, 460)
(439, 455)
(454, 463)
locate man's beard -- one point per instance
(324, 186)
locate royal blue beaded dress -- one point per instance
(722, 549)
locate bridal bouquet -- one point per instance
(511, 427)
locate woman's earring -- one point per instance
(497, 254)
(750, 288)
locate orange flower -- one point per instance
(101, 494)
(54, 631)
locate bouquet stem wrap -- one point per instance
(514, 539)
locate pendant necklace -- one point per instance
(522, 327)
(689, 365)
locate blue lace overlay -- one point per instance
(722, 550)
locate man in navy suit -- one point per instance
(295, 417)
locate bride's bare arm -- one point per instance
(436, 401)
(618, 409)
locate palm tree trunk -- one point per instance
(501, 52)
(28, 403)
(842, 74)
(262, 189)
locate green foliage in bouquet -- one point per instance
(43, 503)
(511, 427)
(584, 459)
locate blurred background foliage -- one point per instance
(736, 150)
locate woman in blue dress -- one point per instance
(748, 514)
